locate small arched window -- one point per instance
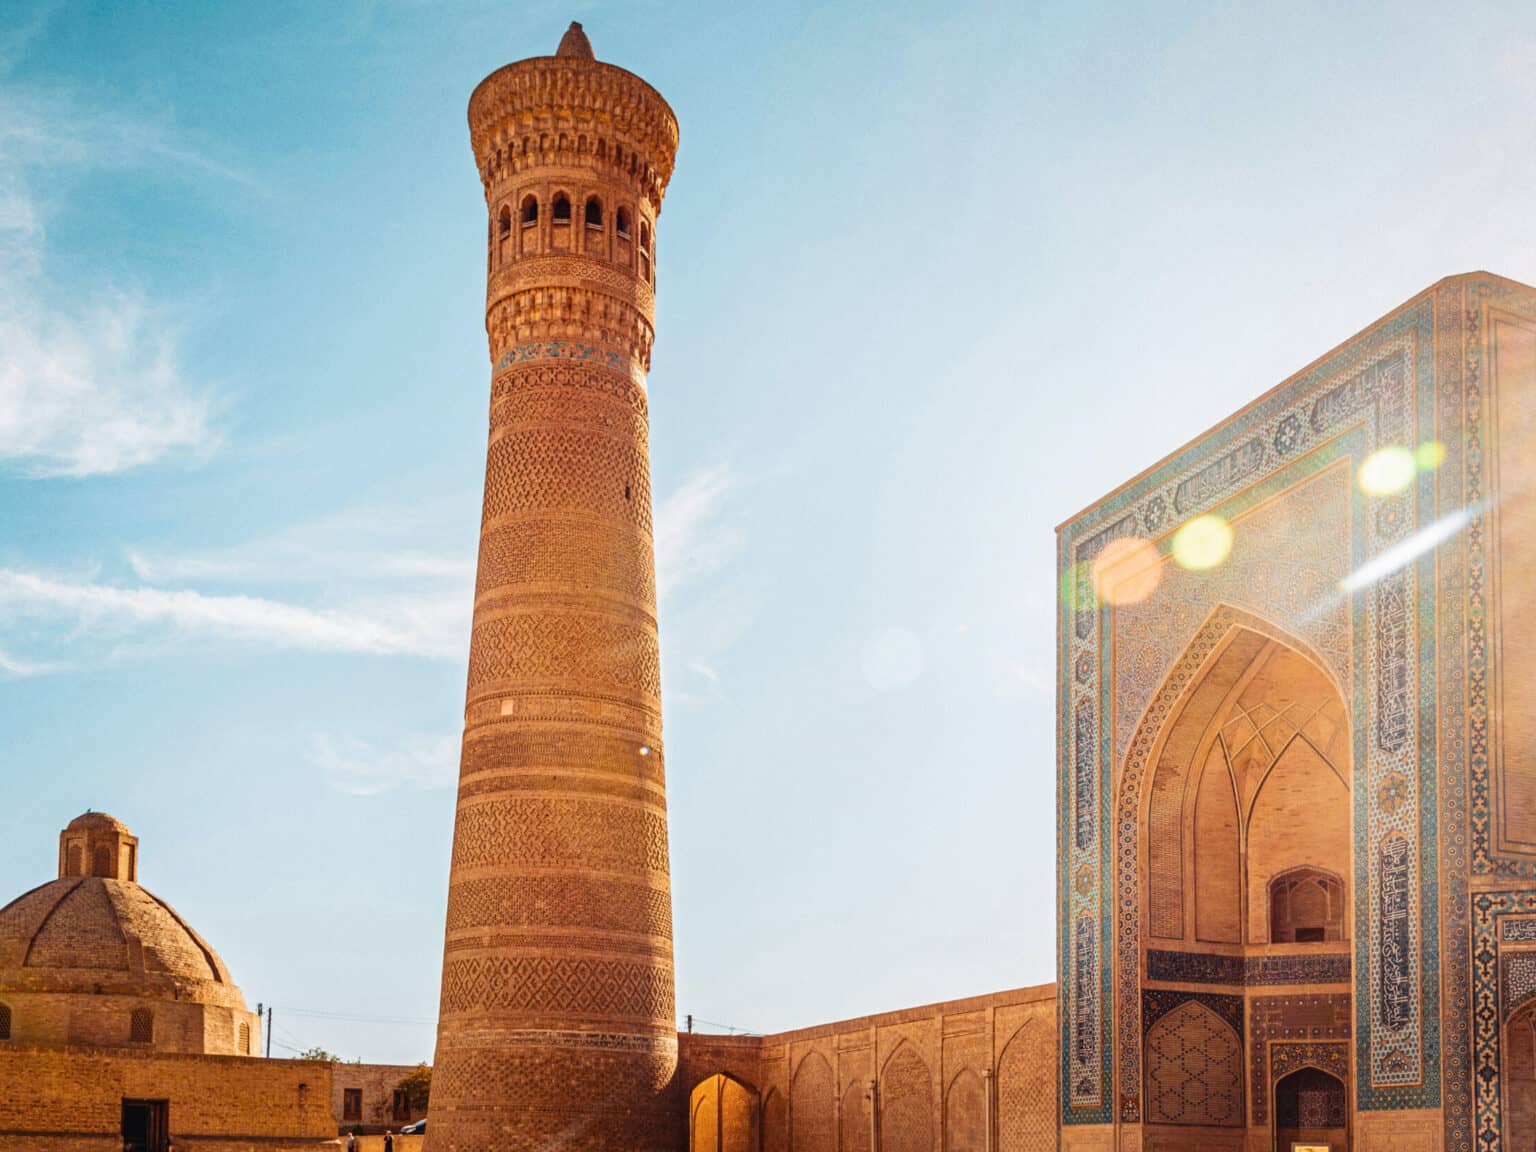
(560, 210)
(505, 223)
(645, 236)
(530, 211)
(141, 1027)
(647, 271)
(621, 222)
(103, 861)
(1306, 905)
(244, 1045)
(594, 212)
(5, 1021)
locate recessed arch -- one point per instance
(560, 209)
(965, 1113)
(775, 1122)
(812, 1106)
(528, 213)
(723, 1115)
(1194, 1069)
(906, 1101)
(853, 1116)
(1026, 1090)
(1307, 905)
(1245, 698)
(1311, 1105)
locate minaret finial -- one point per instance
(575, 43)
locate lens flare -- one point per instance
(1429, 455)
(1387, 470)
(1202, 543)
(1127, 571)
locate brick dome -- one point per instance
(93, 950)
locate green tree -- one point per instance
(416, 1087)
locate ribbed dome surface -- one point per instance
(84, 929)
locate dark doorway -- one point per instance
(146, 1125)
(1311, 1108)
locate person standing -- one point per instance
(351, 1142)
(389, 1140)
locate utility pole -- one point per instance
(269, 1031)
(690, 1023)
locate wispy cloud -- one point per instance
(698, 535)
(693, 538)
(90, 383)
(94, 610)
(355, 546)
(363, 769)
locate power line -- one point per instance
(355, 1018)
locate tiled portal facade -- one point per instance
(1297, 794)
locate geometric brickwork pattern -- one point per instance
(567, 985)
(557, 1024)
(1026, 1092)
(1194, 1069)
(812, 1107)
(906, 1103)
(1414, 651)
(965, 1114)
(854, 1118)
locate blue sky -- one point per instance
(932, 278)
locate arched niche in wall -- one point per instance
(1026, 1090)
(906, 1102)
(965, 1113)
(812, 1106)
(1194, 1069)
(723, 1116)
(1250, 780)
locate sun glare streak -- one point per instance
(1401, 555)
(1204, 542)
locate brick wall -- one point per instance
(71, 1098)
(808, 1088)
(377, 1084)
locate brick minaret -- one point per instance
(557, 1025)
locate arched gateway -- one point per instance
(1240, 779)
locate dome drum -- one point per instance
(93, 958)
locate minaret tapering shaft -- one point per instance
(557, 1025)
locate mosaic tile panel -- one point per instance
(1487, 1016)
(1200, 968)
(1519, 981)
